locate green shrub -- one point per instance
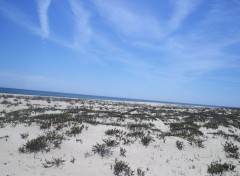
(42, 143)
(231, 150)
(111, 142)
(146, 140)
(179, 145)
(218, 168)
(123, 152)
(136, 134)
(112, 132)
(140, 172)
(24, 135)
(45, 125)
(54, 162)
(122, 168)
(102, 150)
(75, 130)
(138, 126)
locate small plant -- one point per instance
(136, 134)
(123, 152)
(1, 125)
(75, 130)
(122, 168)
(146, 140)
(45, 125)
(112, 132)
(111, 142)
(231, 150)
(54, 162)
(72, 160)
(126, 141)
(218, 168)
(6, 102)
(101, 149)
(179, 145)
(196, 142)
(24, 135)
(21, 149)
(42, 143)
(138, 126)
(140, 172)
(35, 145)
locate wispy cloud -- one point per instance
(182, 9)
(188, 55)
(128, 21)
(19, 17)
(83, 31)
(43, 6)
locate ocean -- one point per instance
(82, 96)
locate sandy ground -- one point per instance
(159, 157)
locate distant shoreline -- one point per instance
(4, 90)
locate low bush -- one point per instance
(146, 140)
(111, 142)
(218, 168)
(75, 130)
(140, 172)
(72, 160)
(102, 150)
(42, 143)
(54, 162)
(45, 125)
(138, 126)
(231, 150)
(179, 145)
(122, 168)
(112, 132)
(123, 152)
(24, 135)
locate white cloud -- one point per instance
(128, 21)
(19, 17)
(83, 31)
(182, 9)
(43, 6)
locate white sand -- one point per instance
(160, 157)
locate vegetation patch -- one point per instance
(24, 135)
(146, 140)
(123, 152)
(112, 132)
(42, 143)
(231, 150)
(219, 168)
(102, 149)
(110, 142)
(179, 144)
(54, 162)
(122, 168)
(75, 130)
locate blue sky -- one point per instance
(167, 50)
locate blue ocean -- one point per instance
(81, 96)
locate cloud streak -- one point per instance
(83, 31)
(189, 55)
(128, 21)
(18, 17)
(43, 6)
(182, 9)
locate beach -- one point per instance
(54, 136)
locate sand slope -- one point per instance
(202, 131)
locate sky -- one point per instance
(167, 50)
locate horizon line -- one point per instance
(113, 97)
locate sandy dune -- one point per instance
(46, 136)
